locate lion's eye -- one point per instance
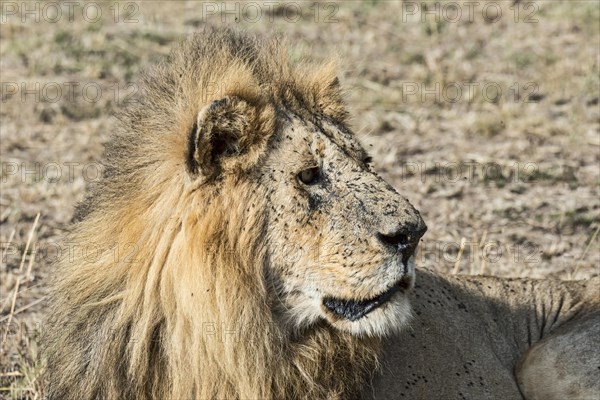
(368, 160)
(309, 176)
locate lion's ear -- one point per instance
(229, 133)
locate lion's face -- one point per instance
(340, 239)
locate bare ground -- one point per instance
(488, 121)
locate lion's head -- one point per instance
(258, 239)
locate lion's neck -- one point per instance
(326, 363)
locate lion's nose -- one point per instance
(404, 239)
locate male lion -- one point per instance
(243, 248)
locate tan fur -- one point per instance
(202, 264)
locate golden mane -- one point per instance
(165, 296)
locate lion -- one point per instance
(240, 245)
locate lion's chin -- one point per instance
(383, 314)
(387, 319)
(354, 310)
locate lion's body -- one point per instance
(238, 244)
(471, 335)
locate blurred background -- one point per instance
(484, 114)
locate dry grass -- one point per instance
(524, 202)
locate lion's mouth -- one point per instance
(356, 309)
